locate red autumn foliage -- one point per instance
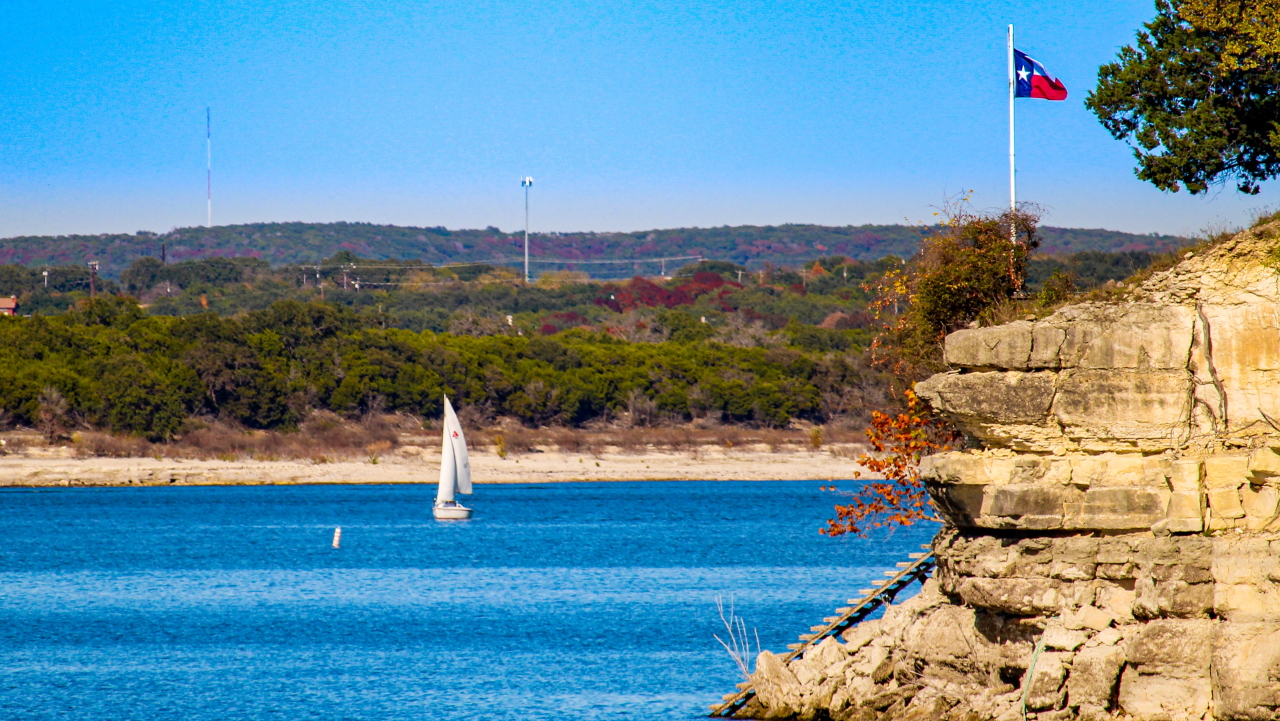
(900, 499)
(641, 292)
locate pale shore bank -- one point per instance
(751, 463)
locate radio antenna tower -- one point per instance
(208, 166)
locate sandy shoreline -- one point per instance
(705, 463)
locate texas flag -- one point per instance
(1033, 81)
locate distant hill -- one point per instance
(753, 246)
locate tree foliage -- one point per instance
(1197, 95)
(106, 365)
(899, 441)
(1250, 31)
(978, 262)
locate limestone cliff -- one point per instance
(1113, 538)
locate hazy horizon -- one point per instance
(536, 232)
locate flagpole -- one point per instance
(208, 167)
(1013, 187)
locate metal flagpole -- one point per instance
(1013, 185)
(527, 182)
(208, 166)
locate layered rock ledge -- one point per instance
(1112, 547)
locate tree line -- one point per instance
(104, 364)
(308, 243)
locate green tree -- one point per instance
(977, 263)
(1194, 114)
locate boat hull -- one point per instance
(451, 513)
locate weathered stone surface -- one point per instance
(1226, 471)
(1264, 463)
(1246, 671)
(777, 688)
(1141, 336)
(1060, 638)
(961, 504)
(1157, 696)
(1120, 508)
(1029, 506)
(1006, 346)
(1094, 675)
(1186, 511)
(1107, 409)
(976, 399)
(1045, 690)
(1225, 503)
(1260, 505)
(1186, 475)
(1169, 669)
(1015, 596)
(1176, 648)
(1046, 346)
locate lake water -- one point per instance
(564, 601)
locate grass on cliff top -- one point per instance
(1038, 306)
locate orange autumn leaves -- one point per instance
(899, 442)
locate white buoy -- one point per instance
(337, 537)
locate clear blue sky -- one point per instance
(629, 115)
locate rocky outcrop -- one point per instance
(1112, 547)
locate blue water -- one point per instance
(564, 601)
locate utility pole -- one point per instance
(526, 183)
(93, 279)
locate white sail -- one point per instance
(448, 467)
(461, 459)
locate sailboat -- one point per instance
(455, 469)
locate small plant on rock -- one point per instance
(739, 644)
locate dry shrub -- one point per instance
(106, 445)
(474, 418)
(730, 438)
(376, 449)
(519, 440)
(629, 440)
(334, 435)
(570, 440)
(815, 438)
(53, 421)
(15, 445)
(673, 439)
(642, 411)
(323, 434)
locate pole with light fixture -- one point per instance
(526, 183)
